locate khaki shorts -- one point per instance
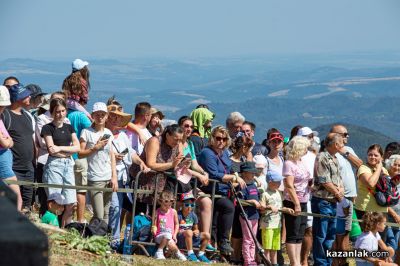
(80, 171)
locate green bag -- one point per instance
(355, 226)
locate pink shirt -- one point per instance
(3, 131)
(165, 222)
(301, 178)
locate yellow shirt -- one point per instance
(365, 201)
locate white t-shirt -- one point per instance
(367, 241)
(135, 141)
(309, 162)
(121, 142)
(268, 219)
(99, 162)
(346, 171)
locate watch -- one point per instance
(346, 154)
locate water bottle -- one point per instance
(127, 249)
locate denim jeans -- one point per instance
(393, 237)
(324, 230)
(115, 212)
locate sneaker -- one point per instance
(210, 248)
(225, 247)
(159, 256)
(204, 259)
(192, 257)
(114, 244)
(180, 256)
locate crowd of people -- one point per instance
(54, 139)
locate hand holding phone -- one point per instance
(124, 152)
(105, 136)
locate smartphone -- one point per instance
(124, 152)
(187, 157)
(105, 136)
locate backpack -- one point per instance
(386, 194)
(142, 228)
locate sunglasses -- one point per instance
(221, 139)
(168, 201)
(187, 126)
(345, 135)
(189, 205)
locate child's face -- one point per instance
(248, 175)
(381, 225)
(55, 208)
(167, 203)
(273, 185)
(188, 205)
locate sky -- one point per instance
(51, 29)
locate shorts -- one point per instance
(295, 225)
(6, 163)
(340, 226)
(182, 244)
(80, 173)
(271, 238)
(160, 236)
(60, 171)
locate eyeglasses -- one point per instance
(221, 139)
(189, 205)
(168, 201)
(187, 126)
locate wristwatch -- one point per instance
(346, 154)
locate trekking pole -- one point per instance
(259, 248)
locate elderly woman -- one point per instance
(160, 154)
(368, 175)
(393, 233)
(215, 161)
(297, 193)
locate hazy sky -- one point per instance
(121, 29)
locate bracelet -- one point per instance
(235, 179)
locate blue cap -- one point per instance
(273, 176)
(18, 92)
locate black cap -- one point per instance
(36, 90)
(249, 167)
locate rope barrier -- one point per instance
(144, 191)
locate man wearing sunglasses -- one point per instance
(347, 159)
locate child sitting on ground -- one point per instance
(189, 233)
(250, 195)
(166, 226)
(370, 240)
(270, 222)
(55, 207)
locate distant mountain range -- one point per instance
(275, 91)
(360, 138)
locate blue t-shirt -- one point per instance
(216, 166)
(187, 223)
(250, 192)
(79, 122)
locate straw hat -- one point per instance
(154, 111)
(126, 118)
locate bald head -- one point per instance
(342, 131)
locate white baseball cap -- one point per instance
(99, 106)
(78, 64)
(305, 131)
(4, 96)
(57, 197)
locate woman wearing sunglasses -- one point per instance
(215, 161)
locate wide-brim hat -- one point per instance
(126, 118)
(154, 111)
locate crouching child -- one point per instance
(166, 227)
(189, 233)
(55, 207)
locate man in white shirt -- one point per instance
(137, 131)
